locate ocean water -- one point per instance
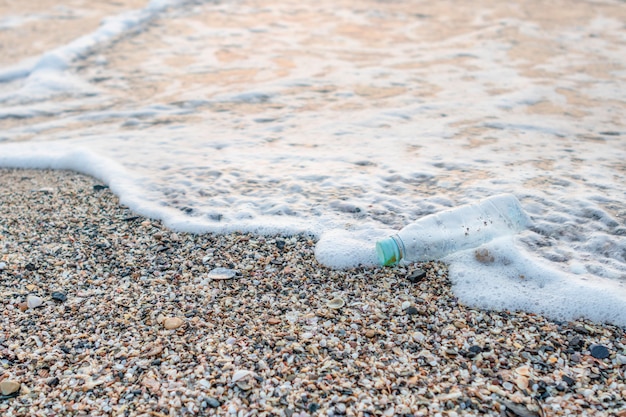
(345, 119)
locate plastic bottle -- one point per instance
(464, 227)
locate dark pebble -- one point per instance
(411, 311)
(599, 351)
(53, 382)
(313, 407)
(212, 402)
(30, 267)
(581, 330)
(569, 381)
(59, 296)
(475, 349)
(99, 187)
(416, 276)
(576, 342)
(280, 243)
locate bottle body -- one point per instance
(438, 235)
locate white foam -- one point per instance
(517, 280)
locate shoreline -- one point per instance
(131, 321)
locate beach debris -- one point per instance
(484, 256)
(222, 274)
(599, 351)
(59, 297)
(9, 387)
(416, 276)
(32, 301)
(336, 303)
(171, 323)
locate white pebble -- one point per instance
(33, 301)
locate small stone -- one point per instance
(240, 374)
(599, 351)
(212, 402)
(411, 311)
(53, 382)
(459, 324)
(23, 307)
(621, 359)
(475, 349)
(336, 303)
(3, 266)
(8, 387)
(59, 297)
(33, 301)
(416, 276)
(568, 380)
(99, 187)
(222, 274)
(171, 323)
(370, 333)
(522, 382)
(273, 320)
(313, 407)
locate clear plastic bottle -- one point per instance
(464, 227)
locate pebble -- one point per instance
(8, 387)
(59, 296)
(222, 274)
(599, 351)
(171, 323)
(212, 402)
(32, 301)
(411, 311)
(240, 374)
(336, 303)
(416, 276)
(3, 266)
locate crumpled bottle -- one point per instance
(438, 235)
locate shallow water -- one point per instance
(344, 119)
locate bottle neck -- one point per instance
(400, 244)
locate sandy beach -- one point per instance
(108, 313)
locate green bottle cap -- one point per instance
(388, 251)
